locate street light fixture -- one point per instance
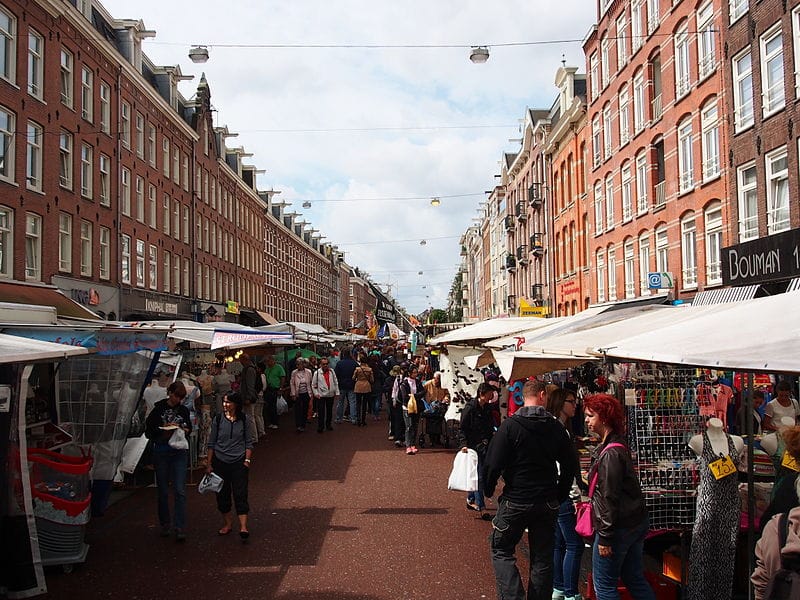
(306, 204)
(198, 54)
(435, 201)
(422, 242)
(479, 54)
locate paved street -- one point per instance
(338, 515)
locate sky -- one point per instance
(370, 134)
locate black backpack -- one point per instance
(785, 582)
(259, 385)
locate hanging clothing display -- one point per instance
(712, 554)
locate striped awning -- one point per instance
(725, 295)
(794, 285)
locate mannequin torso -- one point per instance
(717, 437)
(770, 441)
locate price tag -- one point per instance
(790, 462)
(722, 467)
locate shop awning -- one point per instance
(19, 349)
(487, 330)
(520, 365)
(725, 295)
(44, 295)
(219, 334)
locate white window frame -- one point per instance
(662, 249)
(140, 263)
(86, 248)
(682, 61)
(87, 170)
(152, 267)
(796, 45)
(152, 206)
(626, 192)
(165, 156)
(65, 142)
(33, 247)
(105, 107)
(709, 120)
(176, 275)
(125, 259)
(605, 61)
(185, 172)
(689, 252)
(609, 193)
(139, 124)
(773, 92)
(185, 277)
(176, 218)
(64, 242)
(737, 9)
(167, 273)
(594, 76)
(186, 228)
(637, 38)
(176, 166)
(599, 209)
(653, 16)
(706, 41)
(639, 116)
(713, 243)
(777, 180)
(596, 141)
(624, 116)
(87, 94)
(607, 128)
(600, 269)
(125, 191)
(612, 273)
(644, 262)
(166, 214)
(105, 252)
(151, 145)
(139, 199)
(629, 258)
(6, 242)
(747, 196)
(743, 105)
(35, 64)
(104, 169)
(685, 156)
(8, 43)
(67, 77)
(125, 124)
(8, 136)
(622, 40)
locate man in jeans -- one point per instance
(276, 379)
(344, 374)
(527, 451)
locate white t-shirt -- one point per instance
(153, 394)
(776, 410)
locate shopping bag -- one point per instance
(412, 404)
(583, 519)
(464, 476)
(211, 482)
(282, 405)
(178, 440)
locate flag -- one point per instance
(373, 332)
(414, 321)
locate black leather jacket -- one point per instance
(617, 501)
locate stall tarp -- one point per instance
(520, 365)
(232, 335)
(762, 334)
(240, 339)
(20, 349)
(541, 328)
(489, 329)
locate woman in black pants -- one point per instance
(230, 446)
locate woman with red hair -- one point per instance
(618, 511)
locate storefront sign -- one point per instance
(222, 339)
(533, 311)
(660, 281)
(570, 287)
(158, 306)
(232, 307)
(772, 258)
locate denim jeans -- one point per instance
(171, 465)
(507, 528)
(412, 427)
(625, 562)
(348, 396)
(476, 497)
(568, 551)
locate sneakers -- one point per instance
(414, 449)
(409, 450)
(476, 508)
(273, 427)
(558, 594)
(391, 438)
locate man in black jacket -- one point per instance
(533, 453)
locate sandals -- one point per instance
(225, 531)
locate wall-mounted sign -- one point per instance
(772, 258)
(660, 281)
(232, 307)
(159, 306)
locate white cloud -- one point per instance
(259, 91)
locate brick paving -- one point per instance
(342, 515)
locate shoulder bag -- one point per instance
(583, 510)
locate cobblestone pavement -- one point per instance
(341, 515)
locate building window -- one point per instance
(125, 124)
(166, 214)
(596, 143)
(186, 231)
(685, 157)
(637, 39)
(139, 135)
(710, 123)
(624, 117)
(125, 260)
(64, 242)
(681, 41)
(605, 62)
(185, 276)
(641, 183)
(86, 248)
(139, 263)
(607, 131)
(186, 172)
(777, 191)
(600, 261)
(594, 76)
(599, 209)
(87, 169)
(198, 282)
(33, 247)
(713, 228)
(65, 160)
(610, 216)
(176, 166)
(139, 199)
(706, 46)
(87, 94)
(67, 85)
(612, 273)
(152, 266)
(105, 180)
(689, 251)
(772, 72)
(8, 125)
(737, 9)
(662, 249)
(105, 253)
(151, 145)
(176, 219)
(748, 202)
(165, 156)
(105, 107)
(152, 206)
(742, 67)
(176, 274)
(630, 270)
(644, 262)
(627, 194)
(638, 102)
(35, 63)
(167, 272)
(125, 192)
(6, 242)
(8, 45)
(622, 41)
(34, 157)
(796, 38)
(653, 16)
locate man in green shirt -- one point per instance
(276, 378)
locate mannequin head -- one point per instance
(714, 423)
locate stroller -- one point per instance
(432, 429)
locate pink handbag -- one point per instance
(583, 510)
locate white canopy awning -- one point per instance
(519, 365)
(19, 349)
(753, 335)
(219, 334)
(489, 329)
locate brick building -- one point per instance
(657, 181)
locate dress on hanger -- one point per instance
(712, 555)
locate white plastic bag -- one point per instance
(211, 482)
(178, 440)
(464, 476)
(282, 405)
